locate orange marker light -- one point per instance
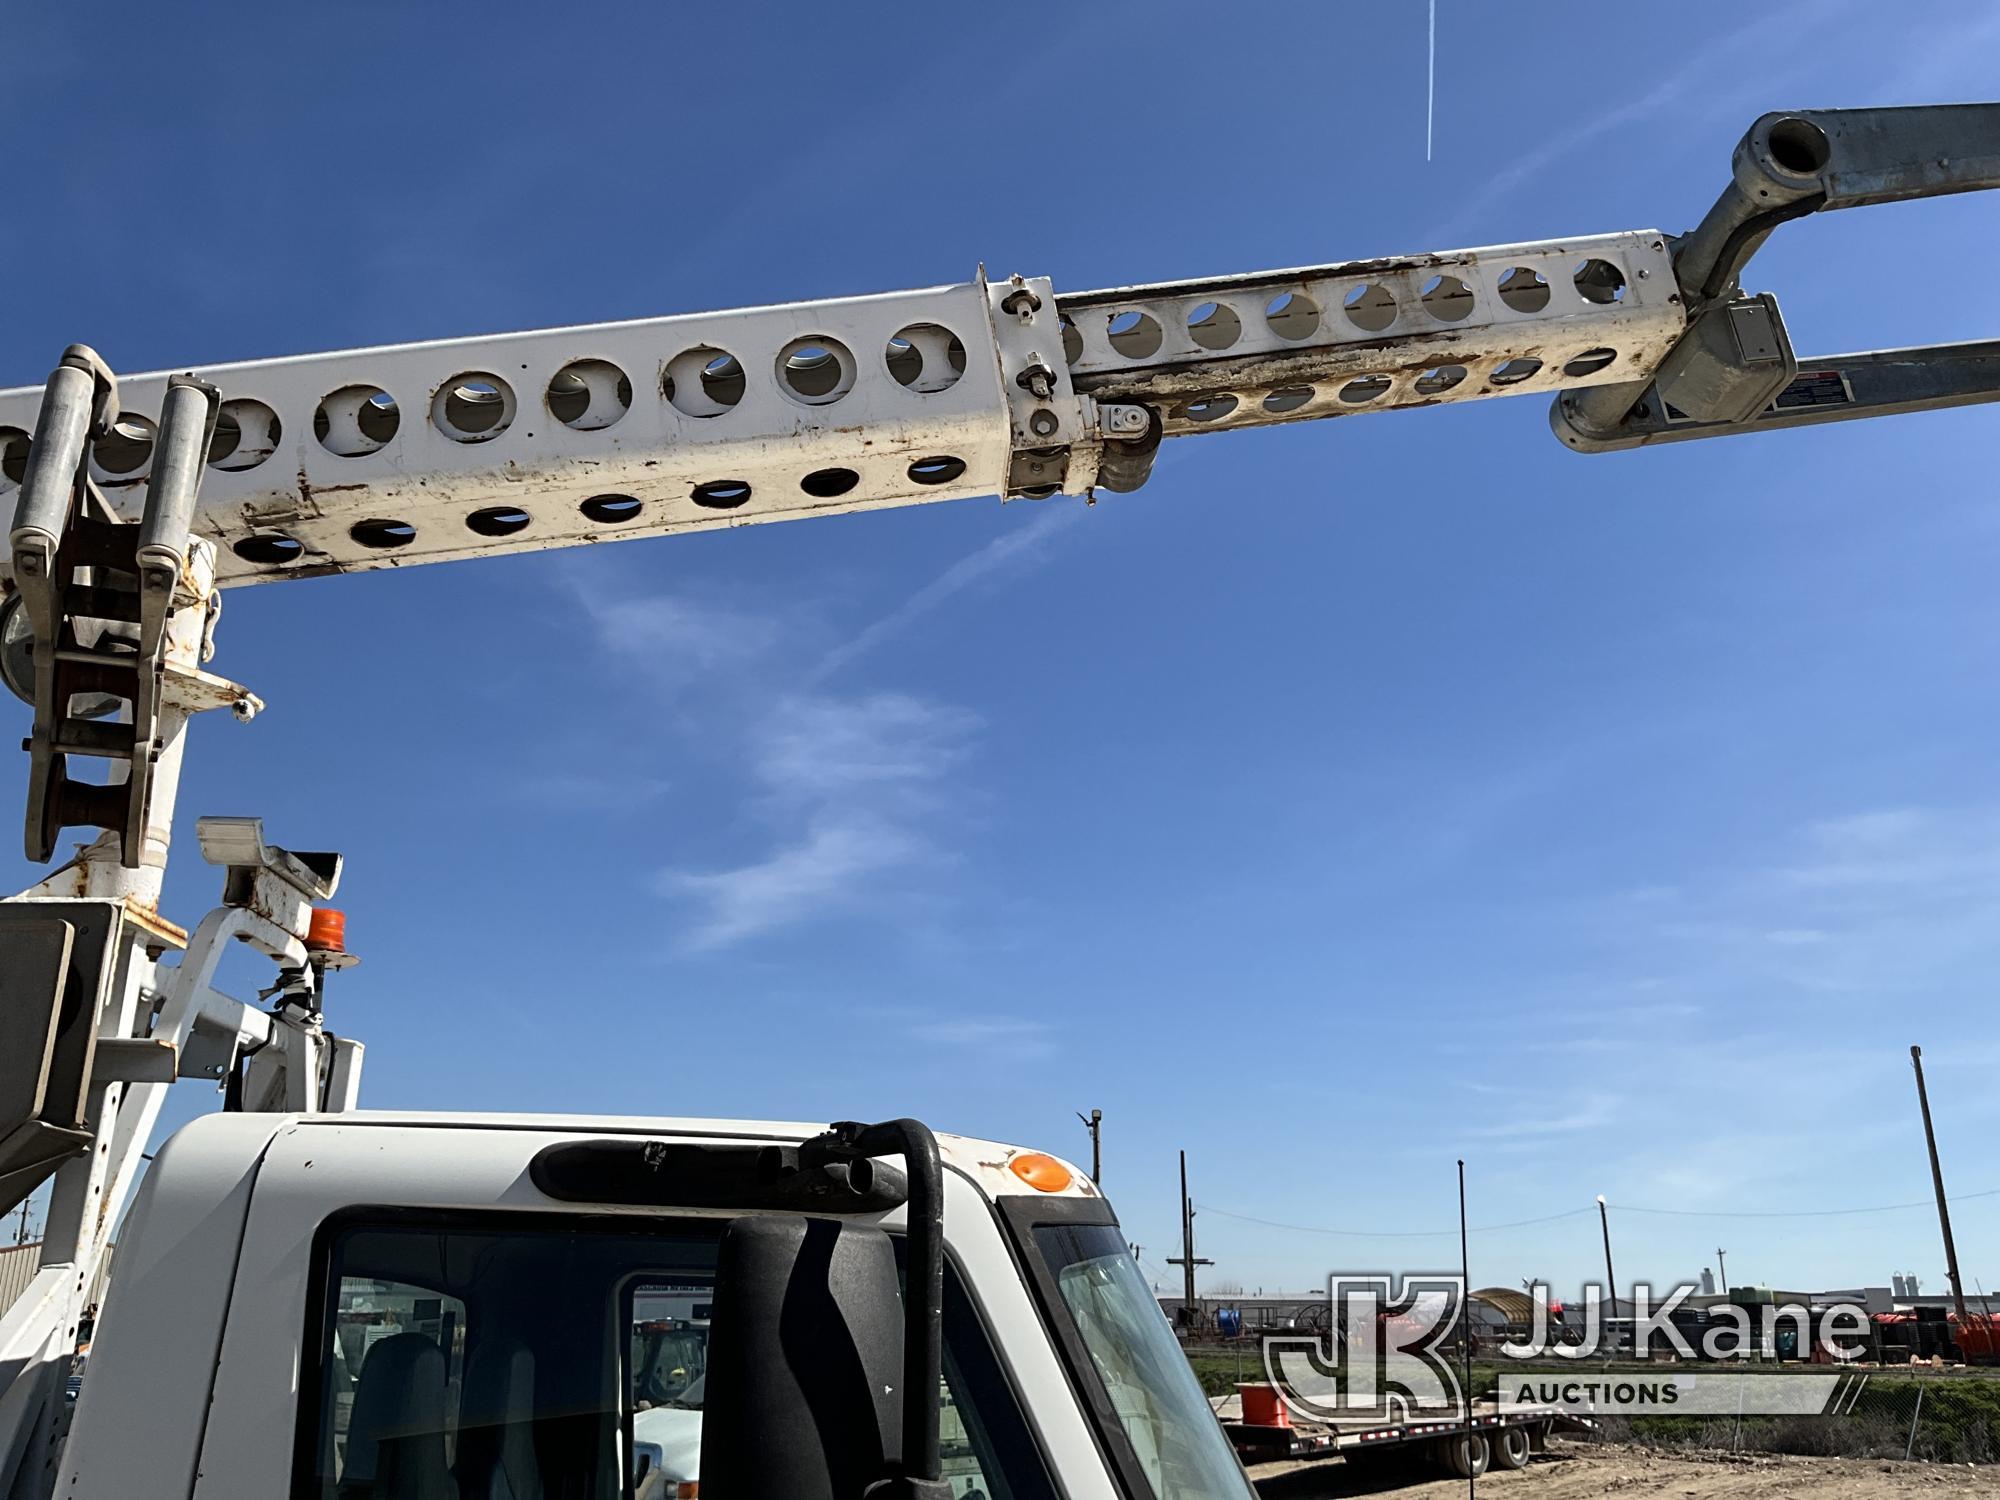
(1042, 1173)
(327, 932)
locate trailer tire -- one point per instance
(1466, 1455)
(1512, 1448)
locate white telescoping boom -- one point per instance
(136, 500)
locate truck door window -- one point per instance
(460, 1356)
(986, 1449)
(666, 1376)
(369, 1311)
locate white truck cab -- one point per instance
(378, 1306)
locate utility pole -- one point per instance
(1465, 1316)
(1610, 1281)
(1722, 1270)
(1186, 1259)
(1094, 1122)
(21, 1231)
(1937, 1182)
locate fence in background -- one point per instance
(18, 1264)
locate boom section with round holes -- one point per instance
(1370, 335)
(470, 447)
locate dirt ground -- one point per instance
(1571, 1471)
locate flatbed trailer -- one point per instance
(1504, 1438)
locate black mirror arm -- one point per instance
(923, 1298)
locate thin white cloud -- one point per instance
(818, 746)
(861, 777)
(1588, 1114)
(1020, 1034)
(835, 865)
(1692, 95)
(1898, 900)
(1902, 847)
(1795, 937)
(582, 791)
(674, 639)
(849, 784)
(1004, 551)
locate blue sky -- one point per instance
(1353, 798)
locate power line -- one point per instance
(1799, 1213)
(1629, 1208)
(1390, 1234)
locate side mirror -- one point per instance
(805, 1361)
(823, 1369)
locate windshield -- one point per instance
(1180, 1445)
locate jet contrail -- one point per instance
(1431, 81)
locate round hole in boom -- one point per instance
(268, 549)
(589, 394)
(246, 433)
(1589, 362)
(1525, 290)
(940, 468)
(1364, 388)
(1600, 282)
(356, 420)
(1435, 382)
(379, 417)
(1292, 316)
(497, 520)
(721, 494)
(13, 456)
(610, 510)
(1134, 334)
(826, 484)
(704, 381)
(124, 452)
(1291, 398)
(227, 437)
(925, 358)
(1371, 307)
(1206, 409)
(1447, 299)
(1072, 341)
(1516, 370)
(473, 408)
(1214, 325)
(815, 370)
(382, 534)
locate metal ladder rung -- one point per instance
(85, 737)
(95, 601)
(123, 661)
